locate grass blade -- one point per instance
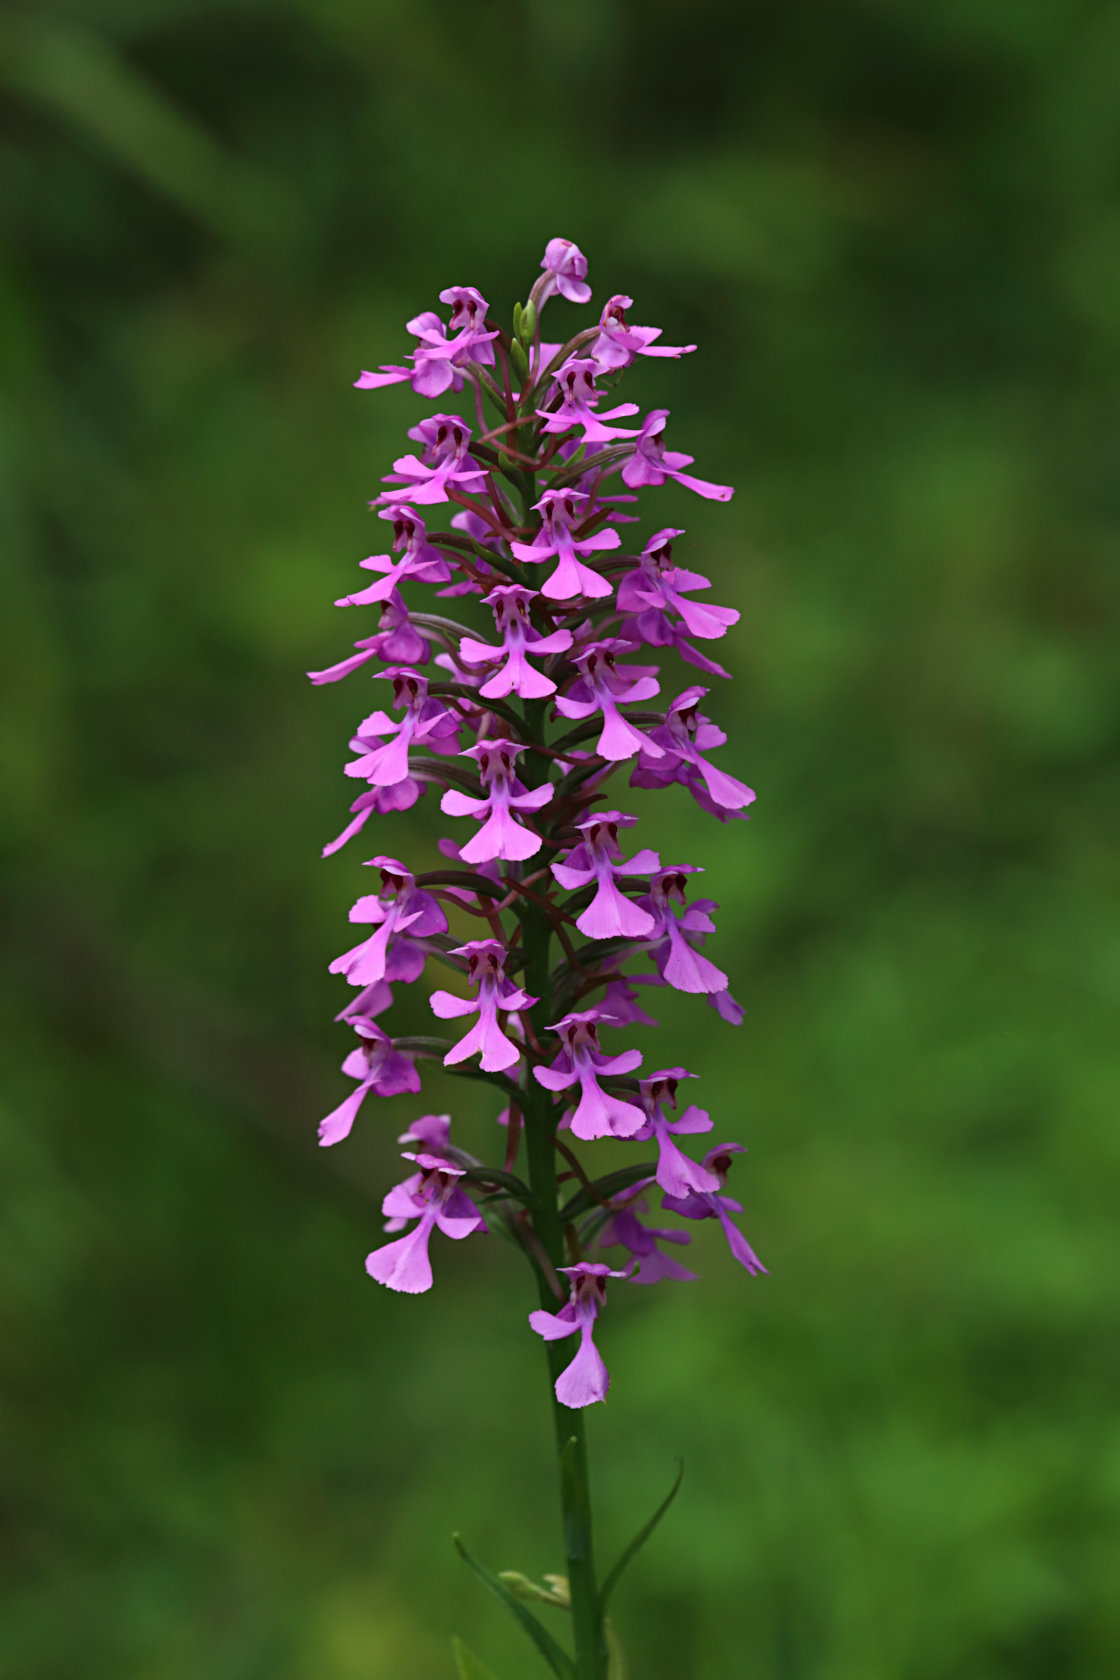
(639, 1541)
(550, 1649)
(468, 1665)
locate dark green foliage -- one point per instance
(894, 232)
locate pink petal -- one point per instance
(404, 1265)
(551, 1326)
(611, 915)
(447, 1006)
(339, 1121)
(586, 1379)
(676, 1173)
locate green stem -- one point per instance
(571, 1446)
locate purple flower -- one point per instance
(400, 797)
(618, 344)
(510, 603)
(678, 963)
(397, 642)
(427, 723)
(431, 1195)
(603, 687)
(676, 1173)
(709, 1204)
(652, 463)
(610, 915)
(726, 1007)
(371, 1001)
(485, 960)
(500, 836)
(565, 271)
(580, 1059)
(418, 560)
(438, 360)
(432, 1132)
(480, 532)
(561, 680)
(575, 385)
(560, 511)
(626, 1230)
(620, 1002)
(377, 1067)
(586, 1379)
(446, 461)
(389, 953)
(682, 740)
(656, 588)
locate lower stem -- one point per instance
(571, 1443)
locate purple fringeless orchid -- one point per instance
(439, 359)
(403, 914)
(586, 1378)
(598, 859)
(519, 709)
(580, 1061)
(517, 675)
(433, 1197)
(486, 971)
(561, 512)
(501, 835)
(619, 343)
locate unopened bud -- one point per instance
(561, 1592)
(556, 1592)
(519, 359)
(527, 331)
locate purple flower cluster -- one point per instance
(521, 727)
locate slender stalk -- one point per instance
(571, 1445)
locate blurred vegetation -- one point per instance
(895, 233)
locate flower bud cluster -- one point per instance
(523, 503)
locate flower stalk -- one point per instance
(551, 919)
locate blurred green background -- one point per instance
(895, 232)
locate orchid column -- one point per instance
(545, 915)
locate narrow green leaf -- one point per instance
(460, 878)
(460, 691)
(504, 1084)
(414, 1046)
(607, 1187)
(617, 1666)
(509, 1183)
(469, 1666)
(639, 1541)
(552, 1652)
